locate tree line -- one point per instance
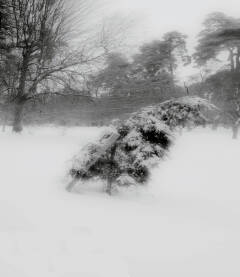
(40, 57)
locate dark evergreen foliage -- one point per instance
(132, 147)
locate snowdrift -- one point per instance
(184, 223)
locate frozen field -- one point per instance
(185, 223)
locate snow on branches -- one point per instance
(183, 112)
(127, 151)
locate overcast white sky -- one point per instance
(160, 16)
(155, 17)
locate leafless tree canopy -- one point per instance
(36, 43)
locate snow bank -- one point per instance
(185, 223)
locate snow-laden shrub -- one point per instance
(183, 112)
(126, 153)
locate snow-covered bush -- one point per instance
(183, 112)
(126, 153)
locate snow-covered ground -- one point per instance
(185, 223)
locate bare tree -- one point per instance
(116, 33)
(38, 38)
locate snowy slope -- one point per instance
(185, 223)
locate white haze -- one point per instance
(155, 17)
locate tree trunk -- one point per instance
(231, 58)
(109, 186)
(21, 96)
(235, 128)
(235, 132)
(4, 122)
(110, 173)
(18, 116)
(238, 60)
